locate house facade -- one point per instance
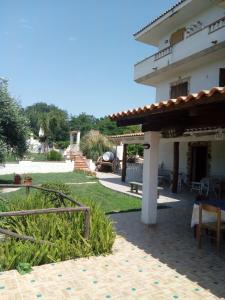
(185, 125)
(190, 38)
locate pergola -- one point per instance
(171, 119)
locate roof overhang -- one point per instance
(204, 109)
(176, 16)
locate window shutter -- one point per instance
(180, 89)
(177, 36)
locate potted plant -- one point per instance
(27, 180)
(17, 179)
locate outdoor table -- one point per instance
(207, 216)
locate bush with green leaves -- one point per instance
(54, 155)
(62, 144)
(13, 125)
(64, 231)
(94, 144)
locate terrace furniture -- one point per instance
(164, 176)
(134, 186)
(212, 227)
(202, 187)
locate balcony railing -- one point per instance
(163, 52)
(217, 25)
(189, 46)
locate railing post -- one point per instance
(87, 223)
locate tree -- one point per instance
(84, 123)
(53, 120)
(108, 127)
(13, 125)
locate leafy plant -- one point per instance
(94, 144)
(54, 155)
(64, 231)
(24, 268)
(13, 125)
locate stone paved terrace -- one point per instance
(159, 262)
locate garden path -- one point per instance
(113, 182)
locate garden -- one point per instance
(62, 233)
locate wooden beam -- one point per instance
(41, 211)
(23, 237)
(124, 163)
(171, 111)
(175, 166)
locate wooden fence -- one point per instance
(79, 208)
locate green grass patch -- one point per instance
(39, 178)
(108, 200)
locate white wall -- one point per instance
(166, 156)
(204, 77)
(218, 158)
(27, 167)
(206, 17)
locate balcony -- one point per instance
(189, 53)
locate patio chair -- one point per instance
(216, 227)
(202, 186)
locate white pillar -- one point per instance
(150, 178)
(78, 140)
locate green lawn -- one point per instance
(110, 201)
(39, 178)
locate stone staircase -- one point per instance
(80, 162)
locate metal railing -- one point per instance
(80, 208)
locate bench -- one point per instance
(134, 186)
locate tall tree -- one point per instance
(53, 120)
(84, 123)
(13, 124)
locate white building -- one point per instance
(185, 125)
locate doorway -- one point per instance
(199, 162)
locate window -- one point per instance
(222, 77)
(180, 89)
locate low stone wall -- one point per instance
(27, 166)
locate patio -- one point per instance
(156, 262)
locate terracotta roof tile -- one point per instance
(127, 135)
(160, 16)
(195, 98)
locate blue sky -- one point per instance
(76, 54)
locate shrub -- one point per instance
(54, 155)
(62, 144)
(94, 144)
(64, 231)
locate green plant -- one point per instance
(62, 144)
(24, 268)
(54, 155)
(94, 144)
(64, 231)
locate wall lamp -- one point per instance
(146, 146)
